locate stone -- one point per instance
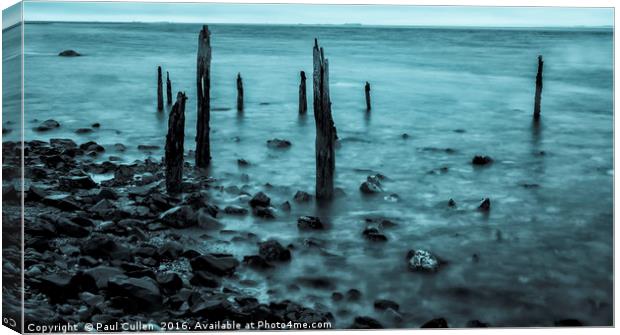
(277, 143)
(235, 210)
(353, 294)
(568, 323)
(256, 262)
(260, 199)
(76, 182)
(309, 222)
(92, 146)
(485, 205)
(69, 53)
(204, 278)
(220, 265)
(48, 125)
(365, 322)
(371, 186)
(481, 160)
(383, 304)
(264, 212)
(373, 234)
(273, 251)
(435, 323)
(83, 130)
(102, 274)
(422, 260)
(179, 217)
(242, 163)
(64, 226)
(169, 282)
(63, 202)
(451, 203)
(476, 324)
(143, 291)
(302, 196)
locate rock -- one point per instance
(83, 131)
(422, 260)
(372, 185)
(286, 206)
(235, 210)
(102, 274)
(63, 143)
(96, 125)
(302, 196)
(144, 291)
(277, 143)
(48, 125)
(337, 296)
(204, 278)
(353, 295)
(120, 147)
(273, 251)
(171, 250)
(485, 205)
(256, 262)
(309, 222)
(92, 146)
(220, 265)
(57, 286)
(451, 203)
(69, 53)
(76, 182)
(107, 193)
(481, 160)
(365, 322)
(435, 323)
(383, 304)
(405, 136)
(264, 212)
(62, 201)
(242, 163)
(169, 282)
(179, 217)
(568, 323)
(260, 199)
(476, 324)
(146, 147)
(64, 226)
(105, 247)
(374, 234)
(90, 299)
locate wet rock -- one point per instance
(83, 131)
(260, 199)
(435, 323)
(422, 260)
(169, 282)
(148, 148)
(120, 147)
(309, 222)
(204, 278)
(322, 283)
(57, 286)
(405, 136)
(179, 217)
(383, 304)
(451, 203)
(264, 212)
(372, 185)
(256, 262)
(374, 234)
(235, 210)
(286, 206)
(107, 193)
(92, 147)
(64, 226)
(171, 250)
(277, 143)
(62, 201)
(302, 196)
(63, 143)
(365, 322)
(337, 296)
(242, 163)
(144, 292)
(273, 251)
(105, 247)
(481, 160)
(76, 182)
(69, 53)
(353, 295)
(476, 324)
(568, 323)
(102, 274)
(48, 125)
(485, 205)
(220, 265)
(104, 208)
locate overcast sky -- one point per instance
(320, 14)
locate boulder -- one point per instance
(169, 282)
(204, 278)
(76, 182)
(302, 196)
(273, 251)
(422, 260)
(372, 185)
(277, 143)
(92, 146)
(242, 163)
(48, 125)
(309, 222)
(102, 274)
(264, 212)
(69, 53)
(485, 205)
(235, 210)
(142, 291)
(481, 160)
(260, 199)
(220, 265)
(65, 226)
(179, 217)
(374, 234)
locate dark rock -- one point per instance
(302, 196)
(145, 147)
(69, 53)
(63, 143)
(374, 234)
(64, 226)
(48, 125)
(235, 210)
(76, 182)
(476, 324)
(242, 163)
(105, 247)
(337, 296)
(383, 304)
(422, 260)
(286, 206)
(260, 199)
(256, 262)
(365, 322)
(107, 193)
(322, 283)
(83, 131)
(264, 212)
(372, 185)
(353, 295)
(273, 251)
(92, 147)
(170, 250)
(96, 125)
(144, 291)
(485, 205)
(61, 201)
(451, 203)
(204, 278)
(217, 264)
(435, 323)
(102, 274)
(179, 217)
(169, 282)
(278, 144)
(120, 147)
(309, 222)
(568, 323)
(481, 160)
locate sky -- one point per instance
(320, 14)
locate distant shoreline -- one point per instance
(344, 25)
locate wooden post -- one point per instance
(174, 145)
(325, 130)
(160, 91)
(539, 87)
(367, 90)
(203, 83)
(303, 102)
(168, 89)
(239, 93)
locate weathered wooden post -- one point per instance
(168, 89)
(203, 82)
(239, 93)
(160, 92)
(539, 87)
(325, 130)
(303, 102)
(367, 90)
(174, 145)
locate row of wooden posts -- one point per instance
(326, 134)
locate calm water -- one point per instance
(545, 253)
